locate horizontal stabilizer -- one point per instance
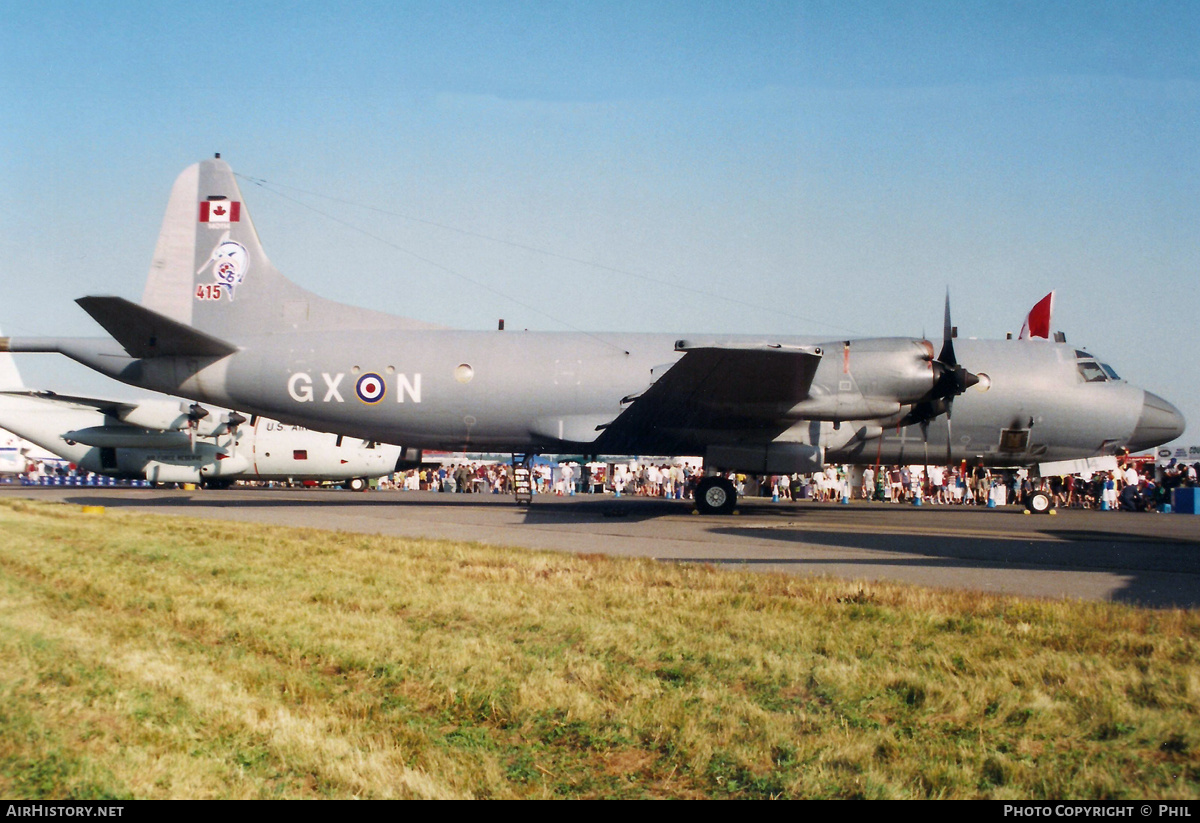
(146, 333)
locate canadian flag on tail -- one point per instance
(220, 211)
(1037, 323)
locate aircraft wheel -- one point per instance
(216, 484)
(1038, 503)
(355, 484)
(715, 495)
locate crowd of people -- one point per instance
(1127, 487)
(1130, 487)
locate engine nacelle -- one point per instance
(164, 415)
(168, 415)
(872, 379)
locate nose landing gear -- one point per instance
(1038, 503)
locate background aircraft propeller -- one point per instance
(195, 413)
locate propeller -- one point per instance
(195, 413)
(950, 379)
(231, 421)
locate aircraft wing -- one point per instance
(715, 393)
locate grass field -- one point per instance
(164, 657)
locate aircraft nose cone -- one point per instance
(1159, 423)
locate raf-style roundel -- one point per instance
(370, 388)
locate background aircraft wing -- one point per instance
(116, 408)
(714, 394)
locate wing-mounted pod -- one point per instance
(128, 437)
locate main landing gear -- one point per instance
(1038, 503)
(715, 495)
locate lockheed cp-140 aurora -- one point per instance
(218, 323)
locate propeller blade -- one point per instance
(925, 477)
(949, 436)
(947, 354)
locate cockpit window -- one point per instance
(1091, 372)
(1109, 371)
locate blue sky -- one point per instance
(795, 167)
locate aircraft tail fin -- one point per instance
(210, 271)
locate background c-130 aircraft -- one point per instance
(218, 323)
(165, 441)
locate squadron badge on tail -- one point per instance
(230, 262)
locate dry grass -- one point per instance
(164, 657)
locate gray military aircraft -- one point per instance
(218, 323)
(166, 441)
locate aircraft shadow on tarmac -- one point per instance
(582, 509)
(1144, 563)
(1141, 555)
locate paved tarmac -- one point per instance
(1147, 559)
